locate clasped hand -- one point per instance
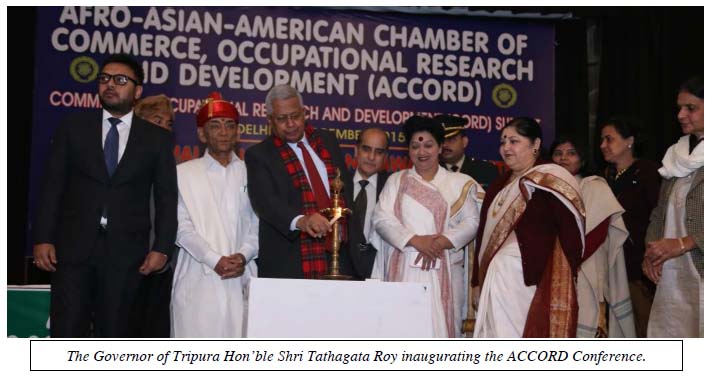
(431, 248)
(231, 266)
(658, 252)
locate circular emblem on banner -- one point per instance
(84, 69)
(504, 95)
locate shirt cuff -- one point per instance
(211, 260)
(293, 224)
(401, 244)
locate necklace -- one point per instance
(620, 172)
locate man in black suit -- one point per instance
(288, 182)
(453, 153)
(92, 226)
(368, 180)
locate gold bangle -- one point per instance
(680, 241)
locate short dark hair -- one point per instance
(417, 123)
(626, 126)
(128, 61)
(585, 169)
(360, 138)
(693, 85)
(527, 127)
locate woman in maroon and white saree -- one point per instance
(530, 243)
(424, 216)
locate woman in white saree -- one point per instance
(423, 216)
(530, 243)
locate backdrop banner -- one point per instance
(355, 69)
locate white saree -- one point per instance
(602, 277)
(410, 206)
(504, 298)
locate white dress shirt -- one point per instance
(124, 128)
(318, 163)
(459, 164)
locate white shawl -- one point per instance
(678, 163)
(602, 276)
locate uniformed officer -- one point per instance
(453, 153)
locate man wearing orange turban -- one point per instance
(217, 231)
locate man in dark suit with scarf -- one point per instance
(92, 226)
(289, 174)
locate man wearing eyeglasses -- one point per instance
(92, 225)
(289, 175)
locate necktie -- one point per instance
(320, 193)
(454, 168)
(111, 146)
(360, 206)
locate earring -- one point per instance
(629, 146)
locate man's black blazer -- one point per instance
(276, 201)
(359, 258)
(77, 187)
(482, 171)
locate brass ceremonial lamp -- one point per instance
(334, 214)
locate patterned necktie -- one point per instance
(320, 193)
(360, 206)
(111, 146)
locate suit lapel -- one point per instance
(465, 168)
(380, 181)
(278, 166)
(697, 179)
(349, 189)
(472, 168)
(96, 149)
(135, 137)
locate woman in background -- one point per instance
(635, 182)
(602, 285)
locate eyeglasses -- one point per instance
(284, 118)
(119, 79)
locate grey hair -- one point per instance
(281, 92)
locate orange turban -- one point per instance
(216, 107)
